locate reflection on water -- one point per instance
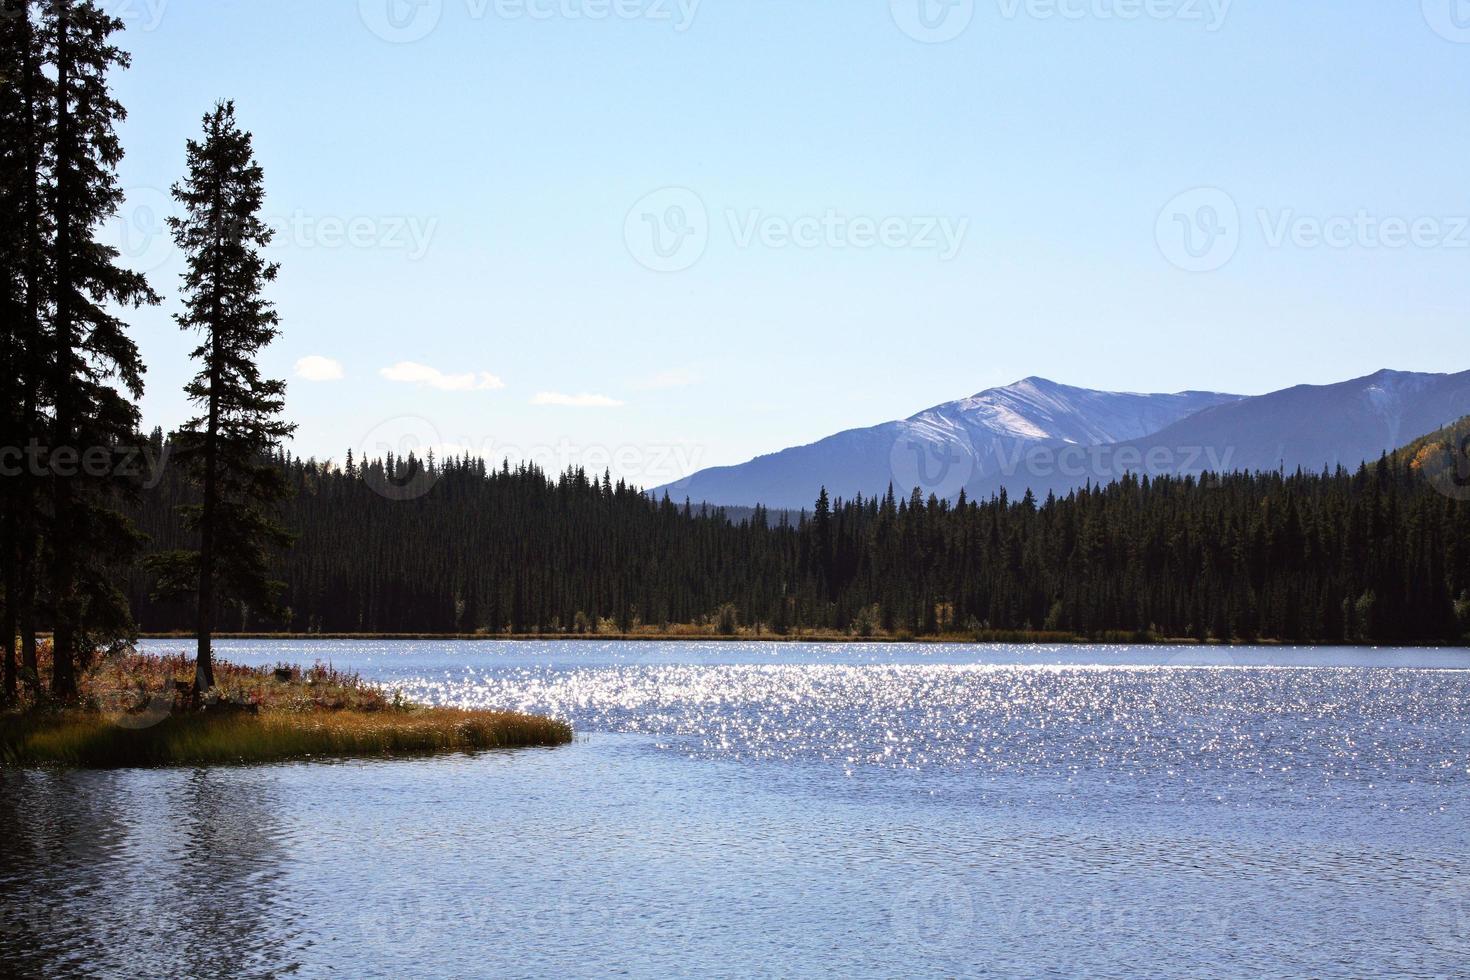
(1306, 731)
(797, 810)
(121, 873)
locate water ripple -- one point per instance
(743, 809)
(1304, 732)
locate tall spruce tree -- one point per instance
(228, 448)
(24, 97)
(96, 373)
(17, 336)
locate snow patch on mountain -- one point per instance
(947, 447)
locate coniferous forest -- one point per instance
(1377, 556)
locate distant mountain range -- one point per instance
(1043, 436)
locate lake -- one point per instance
(794, 809)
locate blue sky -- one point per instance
(658, 235)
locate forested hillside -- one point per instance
(1380, 555)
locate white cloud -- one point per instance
(677, 378)
(583, 400)
(314, 367)
(408, 372)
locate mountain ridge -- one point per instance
(1047, 436)
(944, 447)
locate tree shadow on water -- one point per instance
(142, 872)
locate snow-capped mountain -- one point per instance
(975, 443)
(1040, 435)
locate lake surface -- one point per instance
(794, 810)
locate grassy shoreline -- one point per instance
(91, 740)
(138, 711)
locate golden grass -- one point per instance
(98, 741)
(136, 711)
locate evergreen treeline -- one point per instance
(1374, 556)
(71, 376)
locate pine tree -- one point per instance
(822, 530)
(96, 373)
(228, 448)
(15, 332)
(25, 93)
